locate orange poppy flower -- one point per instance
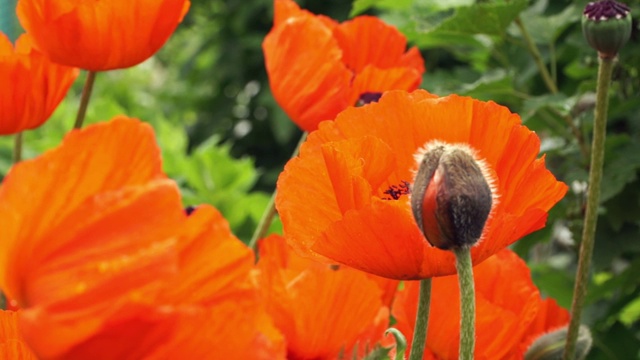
(345, 197)
(113, 267)
(510, 314)
(100, 35)
(12, 345)
(318, 67)
(34, 86)
(321, 311)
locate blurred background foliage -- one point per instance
(225, 140)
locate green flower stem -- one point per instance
(467, 303)
(17, 148)
(550, 82)
(533, 49)
(84, 100)
(270, 211)
(422, 321)
(593, 201)
(3, 301)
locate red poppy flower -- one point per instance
(510, 314)
(345, 197)
(12, 345)
(34, 86)
(100, 35)
(320, 310)
(104, 262)
(318, 67)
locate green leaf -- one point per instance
(484, 18)
(360, 6)
(211, 175)
(545, 29)
(554, 283)
(631, 313)
(495, 85)
(623, 282)
(620, 168)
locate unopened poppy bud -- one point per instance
(606, 25)
(452, 195)
(551, 346)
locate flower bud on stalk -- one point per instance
(606, 25)
(451, 196)
(550, 346)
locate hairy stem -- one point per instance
(422, 321)
(593, 201)
(467, 303)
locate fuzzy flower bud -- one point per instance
(551, 346)
(606, 25)
(452, 195)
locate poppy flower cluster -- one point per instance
(115, 266)
(104, 262)
(318, 67)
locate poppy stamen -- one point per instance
(368, 97)
(395, 191)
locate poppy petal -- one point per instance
(214, 264)
(376, 80)
(366, 40)
(321, 311)
(307, 78)
(78, 170)
(37, 85)
(12, 345)
(100, 36)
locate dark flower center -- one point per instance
(606, 9)
(368, 97)
(190, 209)
(395, 191)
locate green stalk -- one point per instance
(549, 80)
(270, 211)
(464, 266)
(422, 321)
(84, 100)
(593, 201)
(3, 301)
(17, 148)
(533, 49)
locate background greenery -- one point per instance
(225, 140)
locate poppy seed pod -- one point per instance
(607, 26)
(452, 195)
